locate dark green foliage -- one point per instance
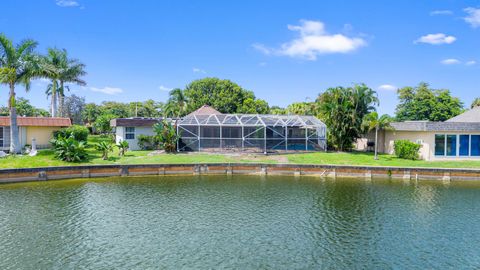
(68, 149)
(79, 133)
(475, 103)
(102, 124)
(167, 135)
(146, 142)
(342, 110)
(223, 95)
(406, 149)
(24, 108)
(424, 103)
(105, 147)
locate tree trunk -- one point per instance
(14, 140)
(54, 99)
(61, 100)
(376, 142)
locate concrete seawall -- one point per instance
(328, 171)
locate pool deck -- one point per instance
(326, 171)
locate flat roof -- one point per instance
(436, 126)
(134, 122)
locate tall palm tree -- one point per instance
(179, 100)
(62, 70)
(371, 122)
(18, 65)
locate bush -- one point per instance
(122, 148)
(79, 133)
(406, 149)
(105, 148)
(69, 149)
(146, 142)
(167, 135)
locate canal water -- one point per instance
(242, 222)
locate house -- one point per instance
(128, 129)
(456, 138)
(206, 129)
(39, 128)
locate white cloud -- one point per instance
(436, 39)
(198, 70)
(67, 3)
(107, 90)
(313, 41)
(450, 61)
(441, 12)
(473, 17)
(164, 88)
(387, 87)
(471, 63)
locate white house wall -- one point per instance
(133, 143)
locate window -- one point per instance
(464, 145)
(1, 136)
(130, 133)
(451, 145)
(475, 145)
(439, 145)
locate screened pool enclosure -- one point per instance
(251, 133)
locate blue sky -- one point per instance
(284, 51)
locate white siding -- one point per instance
(133, 143)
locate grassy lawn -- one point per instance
(46, 158)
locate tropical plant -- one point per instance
(69, 150)
(406, 149)
(167, 135)
(102, 124)
(18, 65)
(371, 122)
(177, 103)
(342, 110)
(105, 148)
(148, 142)
(24, 108)
(122, 147)
(302, 108)
(475, 103)
(424, 103)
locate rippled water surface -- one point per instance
(245, 222)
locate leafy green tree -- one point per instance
(148, 108)
(18, 65)
(73, 108)
(102, 124)
(475, 103)
(277, 110)
(223, 95)
(302, 108)
(342, 110)
(254, 106)
(372, 121)
(24, 108)
(118, 109)
(90, 113)
(424, 103)
(177, 103)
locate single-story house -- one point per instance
(39, 128)
(128, 129)
(456, 138)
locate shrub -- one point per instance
(406, 149)
(146, 142)
(68, 149)
(102, 124)
(167, 135)
(122, 147)
(79, 133)
(105, 148)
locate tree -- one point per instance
(424, 103)
(223, 95)
(475, 103)
(254, 106)
(177, 103)
(122, 147)
(24, 108)
(74, 108)
(90, 113)
(342, 110)
(302, 108)
(371, 121)
(102, 124)
(71, 72)
(277, 110)
(18, 65)
(105, 148)
(167, 135)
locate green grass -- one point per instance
(46, 158)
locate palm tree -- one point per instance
(178, 100)
(62, 70)
(18, 65)
(371, 121)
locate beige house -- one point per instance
(39, 128)
(456, 138)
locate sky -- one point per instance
(284, 51)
